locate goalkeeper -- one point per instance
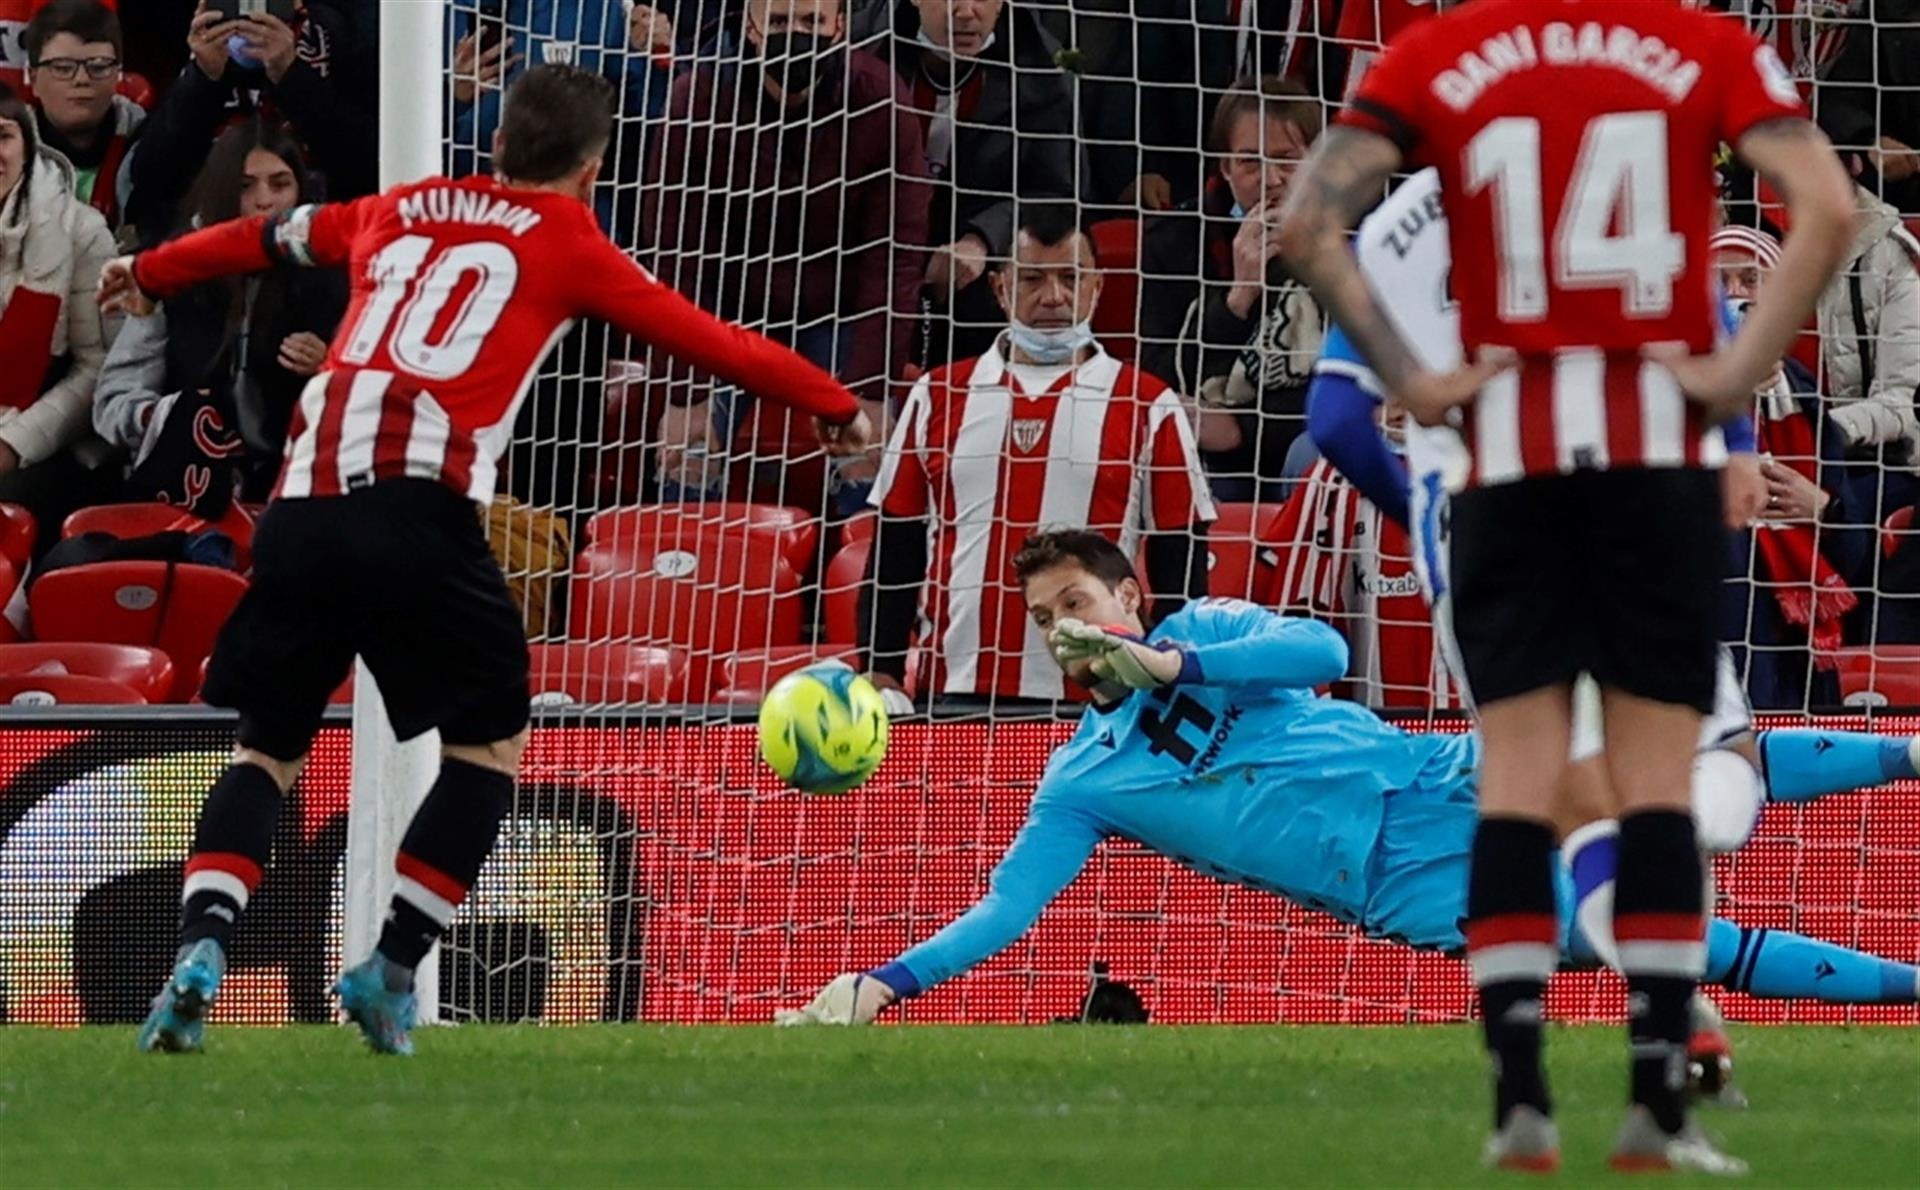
(1207, 743)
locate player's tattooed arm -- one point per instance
(1346, 175)
(1344, 178)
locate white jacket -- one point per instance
(1883, 263)
(59, 248)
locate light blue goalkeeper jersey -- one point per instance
(1238, 771)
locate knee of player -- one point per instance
(283, 772)
(1728, 794)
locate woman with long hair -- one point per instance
(242, 348)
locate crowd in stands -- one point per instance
(1035, 237)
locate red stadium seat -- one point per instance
(17, 532)
(147, 672)
(708, 593)
(177, 609)
(746, 676)
(1880, 676)
(792, 530)
(148, 517)
(840, 591)
(1233, 547)
(859, 528)
(1116, 321)
(574, 672)
(1895, 531)
(47, 690)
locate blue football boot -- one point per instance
(178, 1022)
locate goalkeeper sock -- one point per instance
(448, 840)
(230, 846)
(1777, 964)
(1657, 906)
(1512, 949)
(1804, 764)
(1592, 856)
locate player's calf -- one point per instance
(440, 857)
(230, 851)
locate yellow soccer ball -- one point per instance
(823, 729)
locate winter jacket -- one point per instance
(104, 172)
(786, 218)
(1874, 304)
(52, 248)
(187, 345)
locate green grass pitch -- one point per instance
(920, 1106)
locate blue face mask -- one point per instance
(1050, 345)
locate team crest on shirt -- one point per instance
(1027, 432)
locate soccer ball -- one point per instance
(823, 729)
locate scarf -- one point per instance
(1810, 591)
(36, 259)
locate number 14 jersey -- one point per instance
(1575, 142)
(459, 290)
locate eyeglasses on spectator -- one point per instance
(68, 69)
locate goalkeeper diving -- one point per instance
(1208, 743)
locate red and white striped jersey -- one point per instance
(460, 288)
(1574, 141)
(1334, 557)
(988, 452)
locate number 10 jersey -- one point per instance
(459, 290)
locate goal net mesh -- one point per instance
(682, 545)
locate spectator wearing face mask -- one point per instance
(998, 115)
(1043, 429)
(73, 64)
(1220, 319)
(788, 192)
(1800, 579)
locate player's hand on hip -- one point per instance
(119, 292)
(1431, 397)
(851, 999)
(1114, 654)
(848, 439)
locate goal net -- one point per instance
(678, 544)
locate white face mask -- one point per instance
(1050, 345)
(947, 51)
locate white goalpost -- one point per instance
(390, 778)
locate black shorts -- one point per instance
(398, 573)
(1612, 573)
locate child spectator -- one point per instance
(73, 63)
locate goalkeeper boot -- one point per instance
(385, 1016)
(1710, 1058)
(1528, 1142)
(1643, 1148)
(177, 1023)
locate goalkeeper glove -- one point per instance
(850, 999)
(1116, 655)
